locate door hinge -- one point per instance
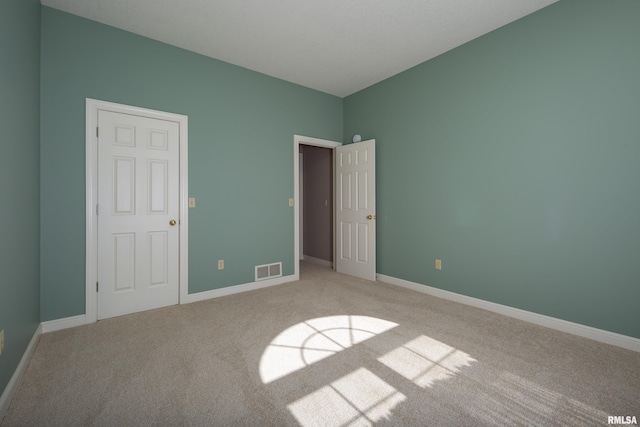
(96, 209)
(97, 132)
(96, 286)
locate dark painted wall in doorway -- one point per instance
(318, 202)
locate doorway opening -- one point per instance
(316, 205)
(354, 210)
(310, 193)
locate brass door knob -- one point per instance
(172, 222)
(371, 217)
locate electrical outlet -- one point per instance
(2, 341)
(438, 264)
(220, 264)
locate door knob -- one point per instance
(371, 217)
(172, 222)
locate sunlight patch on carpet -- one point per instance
(313, 340)
(424, 361)
(359, 398)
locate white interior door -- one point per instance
(356, 209)
(138, 213)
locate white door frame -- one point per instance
(92, 108)
(297, 141)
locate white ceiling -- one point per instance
(334, 46)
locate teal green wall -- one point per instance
(521, 150)
(515, 158)
(241, 127)
(19, 179)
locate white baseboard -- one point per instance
(230, 290)
(630, 343)
(318, 261)
(67, 322)
(16, 378)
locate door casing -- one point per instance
(92, 108)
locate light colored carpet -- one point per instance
(327, 350)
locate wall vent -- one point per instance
(268, 271)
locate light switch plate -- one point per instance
(192, 202)
(290, 202)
